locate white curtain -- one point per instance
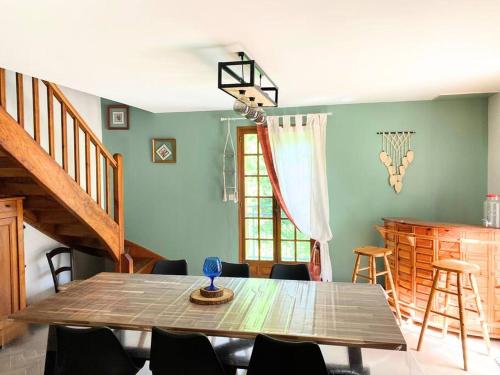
(299, 157)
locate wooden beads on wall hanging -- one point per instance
(396, 155)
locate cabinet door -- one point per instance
(8, 267)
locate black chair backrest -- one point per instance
(235, 270)
(271, 356)
(170, 267)
(55, 272)
(290, 272)
(181, 353)
(96, 351)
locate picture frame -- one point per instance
(118, 117)
(164, 150)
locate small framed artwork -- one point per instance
(118, 117)
(164, 150)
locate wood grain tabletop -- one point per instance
(356, 315)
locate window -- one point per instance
(267, 236)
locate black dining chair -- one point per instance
(96, 351)
(55, 272)
(290, 272)
(183, 353)
(235, 270)
(271, 356)
(170, 267)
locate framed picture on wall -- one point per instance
(118, 117)
(164, 150)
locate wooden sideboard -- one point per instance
(416, 244)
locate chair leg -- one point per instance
(356, 269)
(463, 326)
(428, 310)
(479, 305)
(446, 304)
(393, 288)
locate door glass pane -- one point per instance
(265, 187)
(266, 207)
(251, 186)
(251, 228)
(251, 207)
(266, 228)
(287, 230)
(252, 249)
(266, 250)
(262, 166)
(303, 251)
(287, 251)
(250, 143)
(301, 236)
(250, 165)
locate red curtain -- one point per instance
(263, 135)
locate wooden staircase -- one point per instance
(73, 187)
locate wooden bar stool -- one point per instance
(460, 268)
(372, 253)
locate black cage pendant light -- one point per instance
(246, 81)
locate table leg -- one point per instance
(355, 359)
(50, 356)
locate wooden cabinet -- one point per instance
(416, 244)
(12, 284)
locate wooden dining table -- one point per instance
(352, 315)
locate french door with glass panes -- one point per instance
(265, 233)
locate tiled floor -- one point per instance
(438, 357)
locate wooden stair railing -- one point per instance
(94, 196)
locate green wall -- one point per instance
(177, 209)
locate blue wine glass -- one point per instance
(212, 268)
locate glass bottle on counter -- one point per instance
(492, 211)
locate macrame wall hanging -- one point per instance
(229, 168)
(396, 155)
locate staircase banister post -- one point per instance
(119, 214)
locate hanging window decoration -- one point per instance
(229, 168)
(396, 155)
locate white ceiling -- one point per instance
(162, 55)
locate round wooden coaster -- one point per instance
(211, 293)
(196, 297)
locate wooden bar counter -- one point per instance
(416, 244)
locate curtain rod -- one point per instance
(298, 114)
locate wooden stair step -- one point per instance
(13, 172)
(14, 188)
(74, 230)
(41, 203)
(7, 162)
(143, 265)
(55, 217)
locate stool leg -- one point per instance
(356, 269)
(479, 305)
(393, 289)
(428, 309)
(446, 303)
(374, 271)
(370, 270)
(463, 326)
